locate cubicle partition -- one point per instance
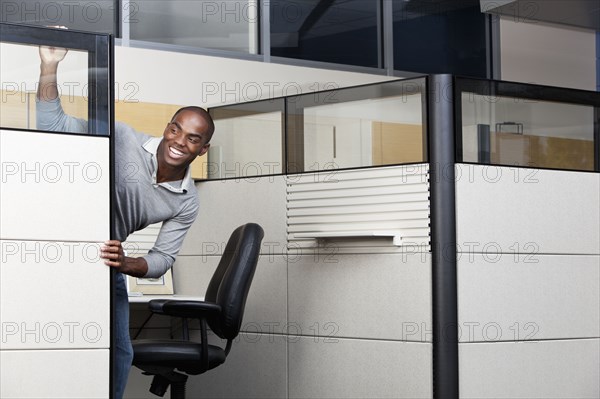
(528, 240)
(340, 305)
(55, 207)
(430, 237)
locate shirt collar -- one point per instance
(151, 146)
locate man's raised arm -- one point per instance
(50, 57)
(49, 112)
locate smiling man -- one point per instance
(153, 184)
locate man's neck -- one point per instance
(166, 174)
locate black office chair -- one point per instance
(222, 310)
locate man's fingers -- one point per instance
(110, 255)
(112, 264)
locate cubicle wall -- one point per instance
(321, 322)
(355, 267)
(528, 282)
(55, 213)
(528, 241)
(345, 314)
(54, 288)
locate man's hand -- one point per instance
(50, 58)
(112, 253)
(52, 55)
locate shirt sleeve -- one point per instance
(170, 238)
(50, 116)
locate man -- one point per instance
(159, 190)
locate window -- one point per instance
(440, 37)
(524, 125)
(373, 125)
(337, 31)
(248, 140)
(226, 25)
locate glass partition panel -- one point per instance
(83, 15)
(81, 80)
(338, 31)
(530, 127)
(20, 71)
(247, 140)
(226, 25)
(373, 125)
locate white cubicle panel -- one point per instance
(528, 255)
(54, 186)
(58, 374)
(53, 295)
(538, 369)
(528, 270)
(507, 297)
(54, 288)
(527, 211)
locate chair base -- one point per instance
(161, 382)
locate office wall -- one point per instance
(528, 282)
(178, 78)
(542, 53)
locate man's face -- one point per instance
(185, 138)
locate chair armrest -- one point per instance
(156, 305)
(193, 309)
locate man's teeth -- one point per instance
(175, 152)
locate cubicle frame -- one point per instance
(292, 107)
(526, 91)
(100, 49)
(295, 106)
(442, 122)
(276, 104)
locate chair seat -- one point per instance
(152, 355)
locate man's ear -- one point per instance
(204, 149)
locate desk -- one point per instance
(144, 299)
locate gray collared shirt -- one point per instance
(140, 200)
(179, 186)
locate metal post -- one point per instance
(443, 236)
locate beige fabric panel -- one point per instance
(397, 143)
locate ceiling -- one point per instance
(578, 13)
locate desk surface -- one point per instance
(148, 298)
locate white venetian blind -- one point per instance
(385, 207)
(142, 241)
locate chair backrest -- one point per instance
(231, 281)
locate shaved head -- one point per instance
(203, 114)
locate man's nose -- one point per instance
(180, 139)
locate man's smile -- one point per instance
(176, 153)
